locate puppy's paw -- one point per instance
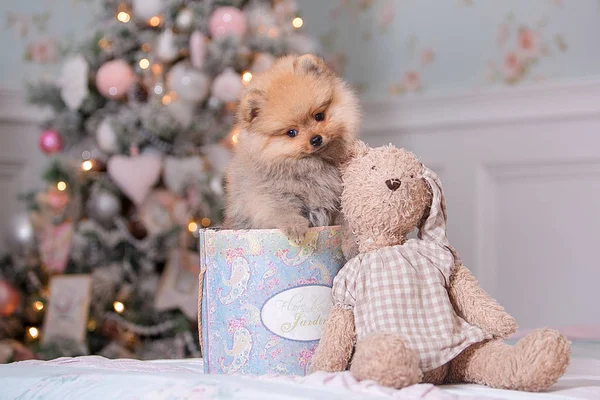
(296, 232)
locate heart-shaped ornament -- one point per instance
(180, 171)
(135, 176)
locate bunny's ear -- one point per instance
(357, 149)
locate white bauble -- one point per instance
(184, 19)
(182, 111)
(189, 83)
(262, 62)
(106, 137)
(146, 9)
(227, 86)
(166, 49)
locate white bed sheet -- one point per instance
(99, 378)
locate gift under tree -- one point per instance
(137, 144)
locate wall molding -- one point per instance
(479, 108)
(428, 113)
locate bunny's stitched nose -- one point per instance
(393, 184)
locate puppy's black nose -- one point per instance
(393, 184)
(316, 140)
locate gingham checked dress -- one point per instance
(403, 289)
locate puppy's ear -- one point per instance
(250, 105)
(311, 64)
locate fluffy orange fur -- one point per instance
(291, 182)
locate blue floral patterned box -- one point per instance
(263, 300)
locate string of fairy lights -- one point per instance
(146, 64)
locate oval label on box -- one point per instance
(298, 313)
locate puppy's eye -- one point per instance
(374, 168)
(319, 116)
(292, 133)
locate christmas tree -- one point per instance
(137, 143)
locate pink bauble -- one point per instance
(227, 86)
(50, 141)
(114, 78)
(227, 21)
(197, 49)
(9, 299)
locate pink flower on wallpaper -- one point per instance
(502, 34)
(387, 14)
(529, 45)
(42, 51)
(512, 66)
(273, 282)
(411, 81)
(427, 56)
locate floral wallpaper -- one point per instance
(391, 48)
(34, 34)
(385, 48)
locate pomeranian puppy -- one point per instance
(297, 123)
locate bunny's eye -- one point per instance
(373, 168)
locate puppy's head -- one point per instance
(297, 109)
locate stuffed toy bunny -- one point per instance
(406, 310)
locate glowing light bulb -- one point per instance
(154, 21)
(87, 165)
(297, 22)
(205, 222)
(123, 16)
(119, 307)
(91, 325)
(167, 99)
(192, 226)
(235, 138)
(62, 186)
(247, 76)
(38, 305)
(33, 332)
(144, 63)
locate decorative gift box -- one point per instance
(262, 300)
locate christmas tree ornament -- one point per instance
(146, 9)
(184, 19)
(189, 83)
(135, 176)
(162, 211)
(217, 156)
(166, 48)
(73, 82)
(183, 112)
(103, 206)
(197, 49)
(179, 284)
(106, 137)
(227, 86)
(262, 62)
(20, 233)
(55, 243)
(114, 78)
(227, 21)
(50, 141)
(178, 172)
(9, 299)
